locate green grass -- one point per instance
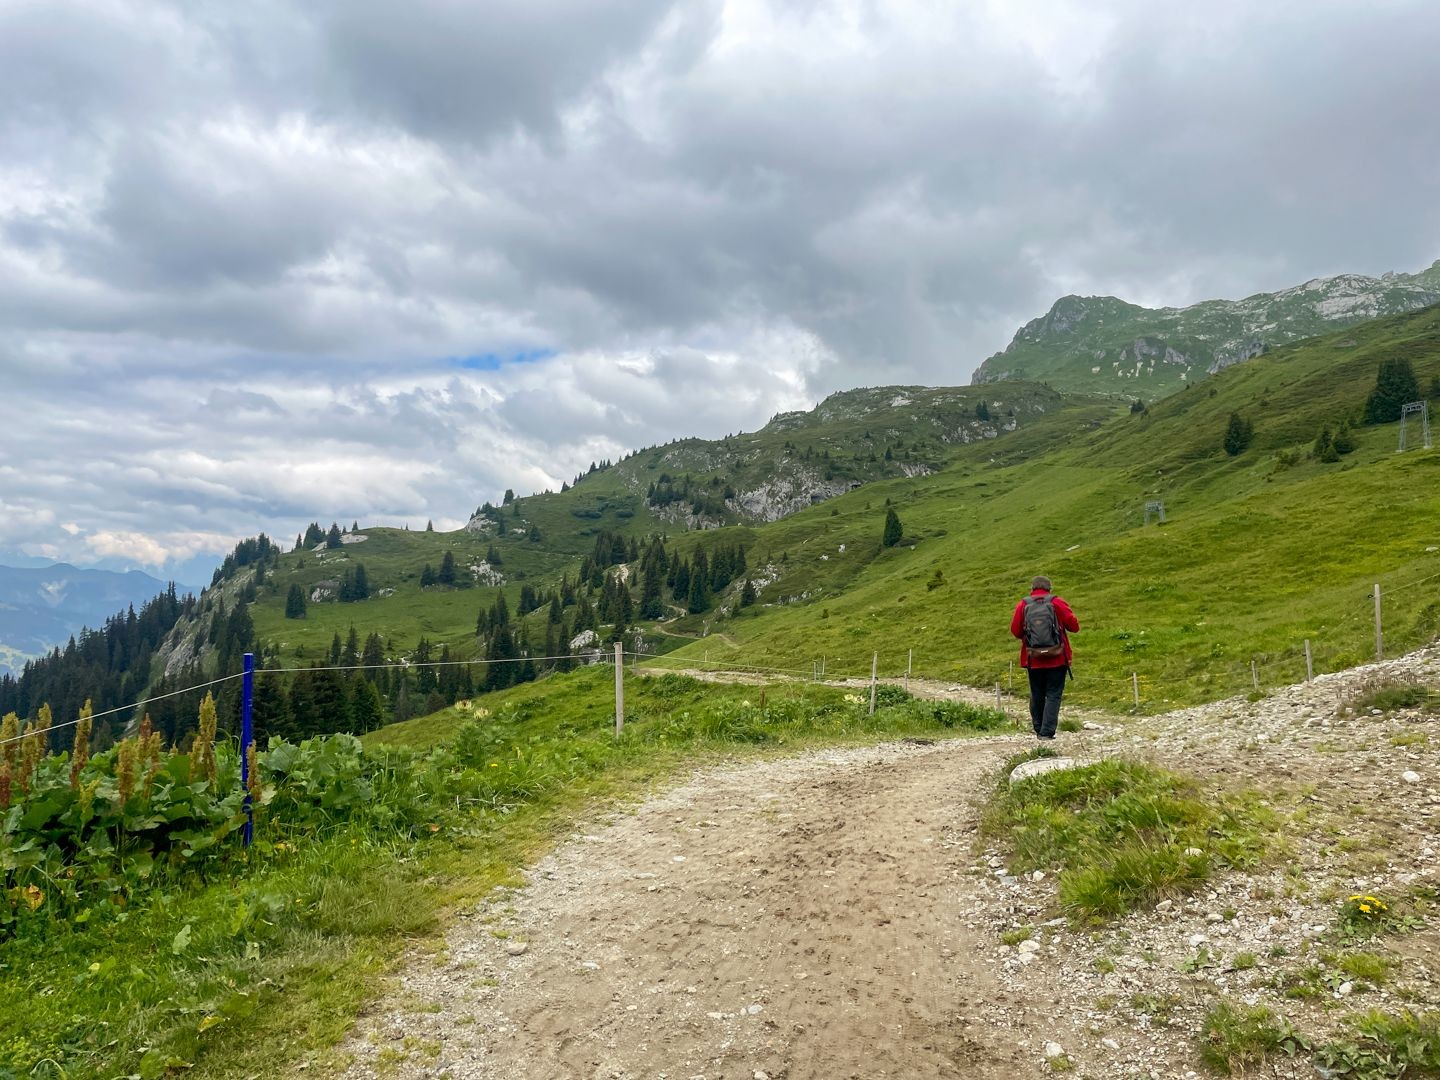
(1393, 694)
(1186, 605)
(278, 959)
(1235, 1037)
(1125, 834)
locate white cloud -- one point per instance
(239, 243)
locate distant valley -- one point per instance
(40, 607)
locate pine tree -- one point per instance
(1395, 386)
(699, 597)
(367, 711)
(295, 603)
(1345, 438)
(1238, 433)
(893, 529)
(270, 710)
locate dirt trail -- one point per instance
(814, 916)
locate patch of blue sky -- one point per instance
(494, 361)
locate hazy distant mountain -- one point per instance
(1101, 343)
(40, 607)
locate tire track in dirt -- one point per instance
(813, 916)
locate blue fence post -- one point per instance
(247, 739)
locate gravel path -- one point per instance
(806, 917)
(830, 916)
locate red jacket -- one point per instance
(1068, 622)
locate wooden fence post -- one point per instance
(619, 688)
(874, 664)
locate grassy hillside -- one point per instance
(1260, 551)
(1258, 554)
(1102, 344)
(797, 459)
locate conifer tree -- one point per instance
(270, 710)
(747, 593)
(351, 656)
(367, 711)
(429, 526)
(1238, 433)
(295, 603)
(1324, 447)
(446, 575)
(1395, 386)
(427, 576)
(332, 538)
(699, 597)
(893, 529)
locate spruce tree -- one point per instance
(427, 576)
(747, 593)
(1238, 433)
(1324, 448)
(1395, 386)
(699, 598)
(295, 603)
(367, 711)
(446, 576)
(332, 538)
(893, 529)
(361, 583)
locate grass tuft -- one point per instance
(1126, 834)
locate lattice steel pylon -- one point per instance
(1414, 408)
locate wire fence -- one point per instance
(1294, 663)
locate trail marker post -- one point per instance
(1309, 663)
(998, 706)
(1254, 675)
(247, 740)
(1379, 637)
(909, 659)
(619, 688)
(874, 665)
(1135, 686)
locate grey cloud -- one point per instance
(237, 242)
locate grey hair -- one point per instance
(1040, 581)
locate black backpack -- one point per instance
(1043, 639)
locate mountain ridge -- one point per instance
(1109, 345)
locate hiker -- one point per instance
(1041, 621)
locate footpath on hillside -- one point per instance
(831, 915)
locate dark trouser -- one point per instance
(1046, 686)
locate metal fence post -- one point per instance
(1309, 662)
(1135, 685)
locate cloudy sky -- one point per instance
(267, 262)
